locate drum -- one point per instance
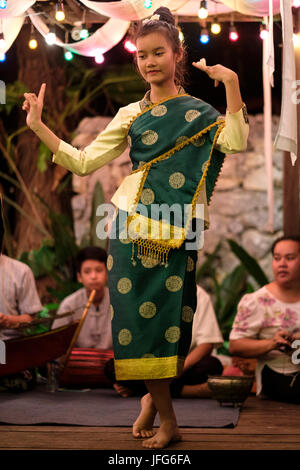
(85, 368)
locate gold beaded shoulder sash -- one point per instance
(173, 144)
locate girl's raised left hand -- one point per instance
(218, 72)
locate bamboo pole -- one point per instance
(65, 358)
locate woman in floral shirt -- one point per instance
(267, 326)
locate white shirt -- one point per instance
(205, 325)
(96, 329)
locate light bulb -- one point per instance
(215, 27)
(2, 57)
(233, 34)
(263, 32)
(203, 12)
(147, 3)
(129, 46)
(84, 33)
(99, 57)
(60, 14)
(32, 43)
(50, 38)
(68, 55)
(3, 5)
(204, 38)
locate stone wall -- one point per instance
(239, 208)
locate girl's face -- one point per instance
(156, 59)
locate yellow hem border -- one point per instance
(148, 368)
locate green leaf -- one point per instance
(249, 263)
(232, 288)
(43, 158)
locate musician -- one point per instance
(91, 272)
(19, 300)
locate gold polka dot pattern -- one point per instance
(190, 264)
(149, 137)
(147, 310)
(191, 115)
(199, 141)
(125, 337)
(110, 262)
(177, 180)
(187, 314)
(174, 283)
(147, 196)
(149, 262)
(112, 312)
(172, 334)
(124, 285)
(159, 110)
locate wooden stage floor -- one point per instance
(263, 425)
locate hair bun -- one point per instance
(165, 15)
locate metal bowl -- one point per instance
(230, 389)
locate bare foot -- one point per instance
(124, 392)
(168, 432)
(143, 426)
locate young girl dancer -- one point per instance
(177, 150)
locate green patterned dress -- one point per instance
(151, 275)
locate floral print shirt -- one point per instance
(259, 316)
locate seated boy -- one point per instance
(91, 272)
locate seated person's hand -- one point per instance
(282, 340)
(8, 321)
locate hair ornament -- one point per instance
(153, 18)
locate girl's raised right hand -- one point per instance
(33, 105)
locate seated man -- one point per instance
(91, 272)
(199, 363)
(267, 323)
(19, 302)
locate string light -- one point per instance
(3, 5)
(68, 55)
(84, 33)
(129, 46)
(2, 41)
(60, 14)
(99, 57)
(233, 34)
(203, 12)
(2, 57)
(32, 43)
(147, 4)
(204, 37)
(215, 26)
(50, 38)
(263, 33)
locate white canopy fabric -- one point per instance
(131, 10)
(102, 40)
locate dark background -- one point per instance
(243, 56)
